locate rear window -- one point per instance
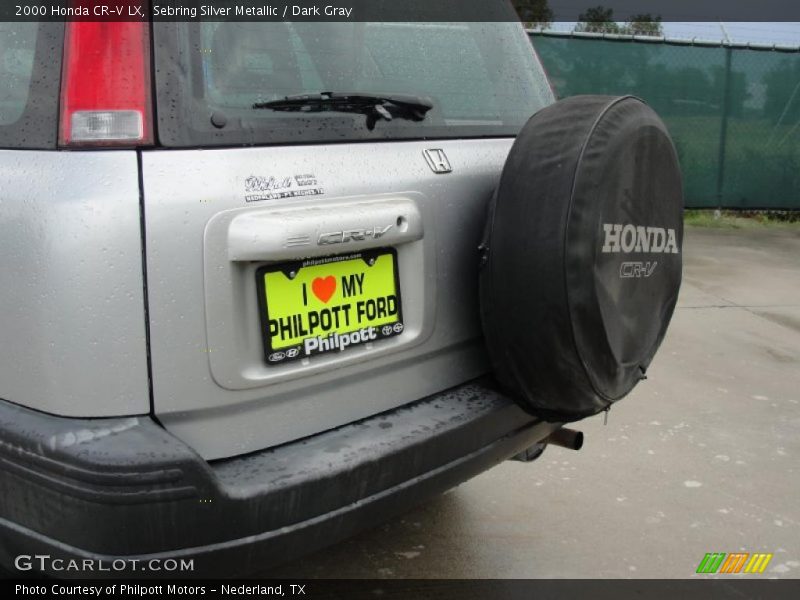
(30, 72)
(483, 79)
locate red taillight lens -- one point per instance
(105, 86)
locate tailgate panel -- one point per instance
(214, 217)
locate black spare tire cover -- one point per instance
(582, 257)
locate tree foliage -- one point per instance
(597, 20)
(601, 20)
(644, 24)
(535, 14)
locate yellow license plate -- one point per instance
(327, 305)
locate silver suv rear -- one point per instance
(238, 307)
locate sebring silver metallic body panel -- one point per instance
(213, 217)
(72, 326)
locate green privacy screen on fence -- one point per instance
(733, 112)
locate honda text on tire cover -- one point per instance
(582, 259)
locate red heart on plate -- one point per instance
(324, 287)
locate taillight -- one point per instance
(105, 85)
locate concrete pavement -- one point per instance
(702, 457)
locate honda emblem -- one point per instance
(437, 160)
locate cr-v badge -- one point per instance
(437, 160)
(352, 235)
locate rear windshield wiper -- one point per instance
(374, 106)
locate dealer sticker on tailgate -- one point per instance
(328, 305)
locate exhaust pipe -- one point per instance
(566, 438)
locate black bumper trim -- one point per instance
(269, 507)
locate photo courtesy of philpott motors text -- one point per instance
(137, 590)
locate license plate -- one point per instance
(328, 305)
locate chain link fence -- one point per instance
(734, 112)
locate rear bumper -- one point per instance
(111, 489)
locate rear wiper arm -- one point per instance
(374, 106)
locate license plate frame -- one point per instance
(273, 311)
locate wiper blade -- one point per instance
(374, 106)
